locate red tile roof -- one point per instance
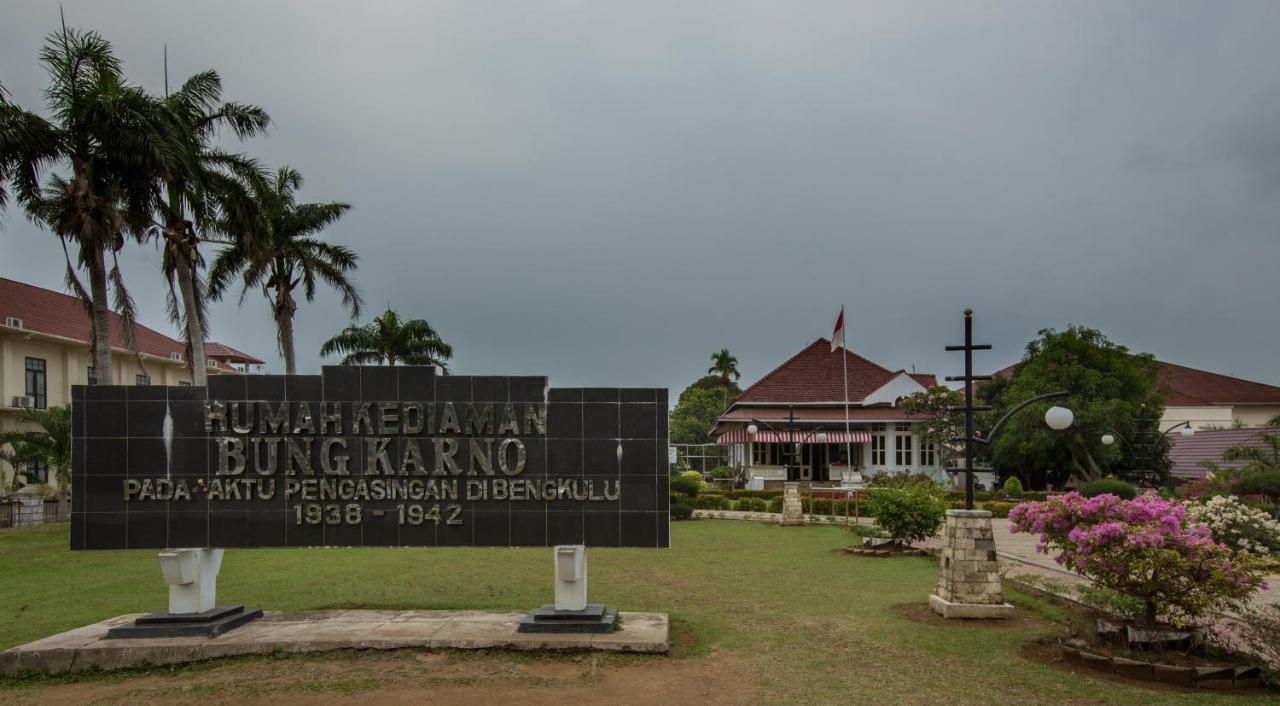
(816, 374)
(1189, 452)
(56, 314)
(1189, 387)
(815, 414)
(224, 352)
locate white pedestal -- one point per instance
(571, 576)
(192, 575)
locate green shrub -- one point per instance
(1111, 486)
(751, 505)
(711, 501)
(909, 514)
(881, 479)
(1110, 602)
(680, 509)
(775, 504)
(998, 508)
(1262, 482)
(686, 485)
(1012, 486)
(765, 494)
(723, 472)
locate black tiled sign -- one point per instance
(368, 456)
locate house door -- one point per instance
(813, 462)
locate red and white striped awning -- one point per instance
(767, 436)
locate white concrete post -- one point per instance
(571, 576)
(192, 575)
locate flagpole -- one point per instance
(844, 359)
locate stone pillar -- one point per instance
(969, 585)
(792, 509)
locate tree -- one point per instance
(1263, 457)
(725, 365)
(280, 254)
(1109, 387)
(205, 187)
(698, 407)
(49, 444)
(106, 133)
(389, 339)
(939, 423)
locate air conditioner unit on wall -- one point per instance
(13, 322)
(23, 401)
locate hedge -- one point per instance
(711, 501)
(751, 505)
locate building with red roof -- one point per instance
(44, 350)
(803, 402)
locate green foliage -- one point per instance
(50, 443)
(711, 501)
(937, 423)
(680, 508)
(908, 514)
(882, 479)
(686, 484)
(751, 505)
(724, 365)
(1113, 603)
(1258, 482)
(1260, 457)
(775, 504)
(1108, 386)
(723, 472)
(388, 340)
(1012, 486)
(1110, 486)
(766, 494)
(698, 407)
(998, 508)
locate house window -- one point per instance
(36, 472)
(902, 448)
(763, 454)
(141, 379)
(878, 444)
(928, 453)
(37, 382)
(90, 377)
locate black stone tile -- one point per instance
(105, 392)
(188, 529)
(77, 419)
(455, 535)
(228, 387)
(265, 387)
(381, 531)
(378, 383)
(564, 420)
(638, 459)
(639, 494)
(528, 529)
(423, 535)
(492, 529)
(639, 421)
(230, 528)
(190, 457)
(77, 530)
(303, 388)
(106, 418)
(106, 457)
(565, 527)
(664, 530)
(78, 489)
(535, 456)
(599, 421)
(147, 458)
(601, 529)
(77, 393)
(146, 392)
(146, 419)
(528, 388)
(600, 394)
(105, 530)
(661, 429)
(148, 530)
(188, 418)
(302, 535)
(343, 534)
(600, 458)
(453, 387)
(564, 457)
(341, 383)
(663, 496)
(188, 392)
(417, 383)
(639, 529)
(636, 394)
(489, 388)
(661, 397)
(564, 394)
(664, 488)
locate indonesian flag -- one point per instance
(837, 336)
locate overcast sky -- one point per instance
(608, 192)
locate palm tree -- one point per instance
(1264, 457)
(105, 132)
(279, 253)
(389, 339)
(50, 444)
(725, 365)
(208, 183)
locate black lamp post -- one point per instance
(790, 449)
(1058, 418)
(1143, 447)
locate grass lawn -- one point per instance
(797, 622)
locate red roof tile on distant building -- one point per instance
(56, 314)
(816, 374)
(1189, 387)
(225, 352)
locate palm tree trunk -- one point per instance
(102, 372)
(284, 309)
(191, 315)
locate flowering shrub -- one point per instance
(1216, 482)
(1142, 548)
(1242, 528)
(908, 514)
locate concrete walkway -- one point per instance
(321, 631)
